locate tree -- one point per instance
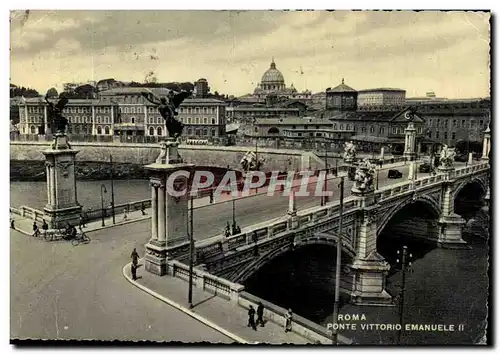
(16, 91)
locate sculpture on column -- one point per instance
(249, 162)
(168, 110)
(363, 179)
(447, 157)
(349, 151)
(55, 114)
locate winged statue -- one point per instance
(55, 111)
(168, 110)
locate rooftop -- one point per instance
(382, 89)
(341, 88)
(292, 121)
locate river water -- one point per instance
(34, 194)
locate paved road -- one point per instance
(63, 292)
(211, 220)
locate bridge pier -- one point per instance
(169, 217)
(62, 204)
(451, 224)
(369, 267)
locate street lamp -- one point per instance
(112, 189)
(234, 214)
(378, 170)
(103, 190)
(336, 304)
(191, 255)
(405, 266)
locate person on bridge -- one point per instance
(45, 227)
(36, 231)
(227, 230)
(143, 208)
(251, 318)
(260, 315)
(288, 321)
(135, 262)
(82, 221)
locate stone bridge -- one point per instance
(421, 209)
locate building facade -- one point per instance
(381, 97)
(341, 98)
(124, 113)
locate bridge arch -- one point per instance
(479, 182)
(413, 223)
(425, 200)
(468, 197)
(264, 259)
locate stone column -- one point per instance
(171, 219)
(154, 211)
(162, 237)
(293, 220)
(410, 135)
(486, 143)
(62, 204)
(450, 224)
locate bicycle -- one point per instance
(80, 238)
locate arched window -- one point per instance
(342, 127)
(132, 110)
(382, 130)
(205, 132)
(132, 120)
(335, 126)
(33, 129)
(77, 129)
(213, 120)
(189, 120)
(197, 132)
(158, 131)
(190, 131)
(213, 132)
(348, 127)
(273, 130)
(99, 130)
(372, 129)
(205, 120)
(363, 129)
(158, 120)
(151, 131)
(106, 130)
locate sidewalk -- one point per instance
(222, 315)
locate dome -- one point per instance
(273, 75)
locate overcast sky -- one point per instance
(447, 53)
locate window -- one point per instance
(212, 109)
(463, 123)
(132, 120)
(33, 129)
(189, 120)
(363, 129)
(205, 120)
(381, 130)
(481, 123)
(158, 131)
(213, 121)
(158, 120)
(205, 110)
(197, 120)
(99, 130)
(190, 131)
(197, 110)
(446, 135)
(106, 130)
(453, 135)
(342, 127)
(372, 129)
(151, 121)
(437, 135)
(139, 109)
(205, 132)
(213, 131)
(189, 110)
(151, 131)
(132, 110)
(181, 110)
(335, 126)
(151, 109)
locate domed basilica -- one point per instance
(273, 83)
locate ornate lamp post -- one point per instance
(405, 266)
(103, 190)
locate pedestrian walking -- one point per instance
(142, 209)
(288, 321)
(82, 221)
(211, 196)
(227, 230)
(251, 318)
(45, 227)
(135, 263)
(36, 231)
(260, 315)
